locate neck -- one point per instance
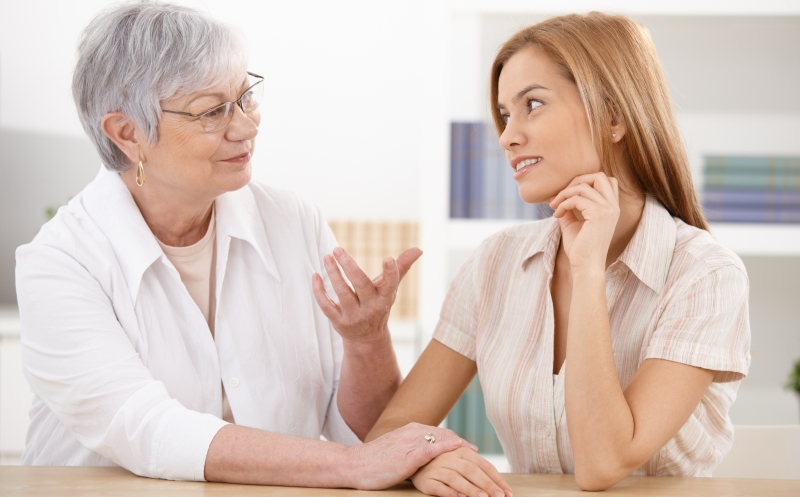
(176, 218)
(631, 207)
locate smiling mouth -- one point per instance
(239, 158)
(527, 163)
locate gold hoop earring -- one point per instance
(140, 179)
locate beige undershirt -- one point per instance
(196, 264)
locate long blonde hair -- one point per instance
(614, 64)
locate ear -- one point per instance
(618, 127)
(120, 130)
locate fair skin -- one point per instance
(185, 171)
(612, 431)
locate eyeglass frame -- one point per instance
(238, 102)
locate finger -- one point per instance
(328, 306)
(406, 259)
(583, 189)
(433, 450)
(459, 483)
(386, 284)
(361, 282)
(477, 476)
(340, 286)
(615, 185)
(490, 470)
(442, 434)
(598, 181)
(435, 487)
(578, 203)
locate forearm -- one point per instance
(369, 378)
(238, 454)
(601, 425)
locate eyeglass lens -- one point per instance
(219, 117)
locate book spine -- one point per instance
(476, 141)
(751, 215)
(721, 197)
(458, 169)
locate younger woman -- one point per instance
(610, 339)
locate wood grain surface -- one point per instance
(92, 481)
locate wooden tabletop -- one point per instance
(89, 481)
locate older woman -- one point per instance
(172, 297)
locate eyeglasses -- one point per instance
(216, 118)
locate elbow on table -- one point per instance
(596, 476)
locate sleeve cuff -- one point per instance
(726, 369)
(184, 441)
(455, 339)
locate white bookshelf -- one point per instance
(744, 239)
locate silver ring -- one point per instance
(430, 438)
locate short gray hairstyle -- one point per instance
(136, 54)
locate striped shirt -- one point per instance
(674, 294)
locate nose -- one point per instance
(243, 126)
(512, 136)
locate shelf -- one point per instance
(759, 239)
(744, 239)
(630, 7)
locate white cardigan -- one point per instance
(121, 361)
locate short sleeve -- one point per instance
(458, 319)
(707, 325)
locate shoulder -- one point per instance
(698, 255)
(518, 242)
(71, 231)
(279, 203)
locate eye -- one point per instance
(505, 118)
(534, 104)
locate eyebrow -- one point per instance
(522, 93)
(219, 95)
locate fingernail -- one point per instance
(483, 494)
(338, 251)
(499, 493)
(389, 262)
(461, 495)
(509, 494)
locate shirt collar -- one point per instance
(648, 254)
(239, 216)
(110, 204)
(544, 240)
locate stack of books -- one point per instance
(468, 419)
(370, 242)
(482, 182)
(752, 189)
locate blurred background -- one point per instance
(377, 111)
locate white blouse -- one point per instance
(121, 361)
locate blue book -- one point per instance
(720, 197)
(747, 214)
(476, 166)
(459, 156)
(493, 161)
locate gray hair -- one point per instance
(134, 55)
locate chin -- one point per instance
(535, 194)
(236, 180)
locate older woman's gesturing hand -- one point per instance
(361, 315)
(394, 456)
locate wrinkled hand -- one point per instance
(596, 198)
(361, 315)
(461, 472)
(394, 456)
